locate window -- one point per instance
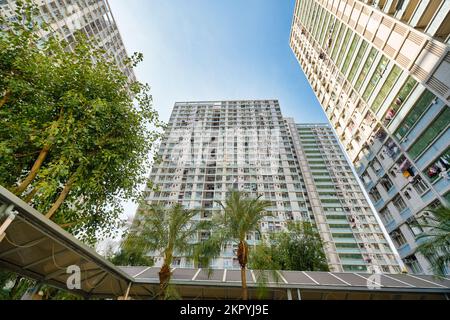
(414, 226)
(420, 185)
(349, 268)
(358, 59)
(320, 24)
(386, 216)
(350, 54)
(326, 21)
(387, 87)
(414, 115)
(386, 183)
(377, 75)
(344, 47)
(412, 264)
(375, 195)
(399, 203)
(440, 167)
(366, 68)
(176, 262)
(399, 100)
(437, 127)
(398, 238)
(407, 193)
(346, 245)
(376, 166)
(338, 42)
(350, 256)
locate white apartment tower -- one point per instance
(381, 71)
(93, 17)
(211, 147)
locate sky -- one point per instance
(197, 50)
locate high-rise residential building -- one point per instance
(92, 17)
(381, 71)
(352, 235)
(212, 147)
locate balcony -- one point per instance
(360, 169)
(352, 261)
(392, 192)
(406, 214)
(349, 250)
(390, 226)
(341, 230)
(369, 185)
(379, 204)
(380, 172)
(404, 250)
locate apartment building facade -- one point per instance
(92, 17)
(381, 71)
(212, 147)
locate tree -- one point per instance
(298, 248)
(13, 286)
(239, 216)
(75, 132)
(129, 254)
(436, 240)
(166, 232)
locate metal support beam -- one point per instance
(34, 263)
(92, 276)
(289, 294)
(128, 291)
(6, 209)
(22, 246)
(99, 282)
(11, 216)
(62, 270)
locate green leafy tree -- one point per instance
(166, 232)
(436, 240)
(240, 215)
(298, 248)
(13, 286)
(75, 132)
(131, 257)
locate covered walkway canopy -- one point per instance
(35, 247)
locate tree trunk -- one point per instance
(243, 259)
(41, 158)
(5, 99)
(164, 279)
(69, 224)
(61, 197)
(31, 195)
(34, 170)
(244, 283)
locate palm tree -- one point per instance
(436, 245)
(239, 217)
(166, 232)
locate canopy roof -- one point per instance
(39, 249)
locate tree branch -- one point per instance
(5, 98)
(61, 197)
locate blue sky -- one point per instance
(216, 50)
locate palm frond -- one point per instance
(436, 240)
